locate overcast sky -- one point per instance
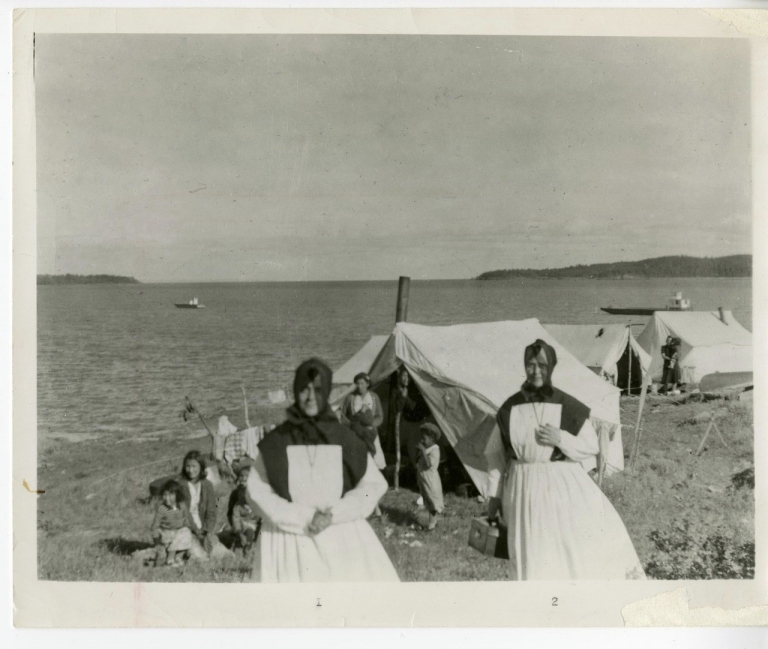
(205, 158)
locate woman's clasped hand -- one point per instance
(548, 435)
(320, 521)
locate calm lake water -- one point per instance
(119, 359)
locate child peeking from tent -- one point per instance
(243, 520)
(170, 527)
(428, 454)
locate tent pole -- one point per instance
(636, 440)
(397, 449)
(704, 438)
(401, 315)
(629, 365)
(245, 405)
(403, 292)
(719, 434)
(602, 443)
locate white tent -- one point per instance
(605, 349)
(709, 345)
(465, 372)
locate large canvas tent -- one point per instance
(610, 351)
(710, 344)
(465, 372)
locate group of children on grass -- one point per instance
(184, 526)
(185, 521)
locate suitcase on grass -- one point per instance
(488, 538)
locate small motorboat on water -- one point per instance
(676, 303)
(192, 304)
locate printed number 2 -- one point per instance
(554, 601)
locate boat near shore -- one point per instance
(676, 303)
(192, 304)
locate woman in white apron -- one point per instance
(560, 525)
(314, 482)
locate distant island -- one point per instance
(85, 279)
(680, 266)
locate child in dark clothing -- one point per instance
(171, 526)
(243, 519)
(362, 424)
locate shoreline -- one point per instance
(340, 282)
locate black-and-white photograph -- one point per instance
(393, 308)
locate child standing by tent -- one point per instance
(427, 466)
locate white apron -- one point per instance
(560, 524)
(347, 550)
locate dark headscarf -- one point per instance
(312, 430)
(301, 430)
(531, 392)
(306, 373)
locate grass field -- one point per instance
(687, 516)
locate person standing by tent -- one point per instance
(313, 483)
(671, 374)
(560, 525)
(362, 409)
(407, 400)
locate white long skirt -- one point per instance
(561, 526)
(343, 552)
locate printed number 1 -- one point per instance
(318, 602)
(554, 601)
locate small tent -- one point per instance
(710, 344)
(610, 351)
(465, 372)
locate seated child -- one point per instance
(203, 507)
(170, 528)
(431, 488)
(243, 520)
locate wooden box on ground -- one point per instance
(490, 539)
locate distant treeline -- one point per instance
(85, 279)
(680, 266)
